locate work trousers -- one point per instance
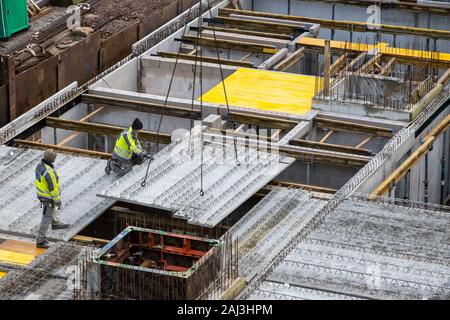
(121, 167)
(49, 216)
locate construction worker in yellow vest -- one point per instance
(127, 151)
(49, 193)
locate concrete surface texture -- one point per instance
(270, 225)
(368, 250)
(178, 173)
(81, 178)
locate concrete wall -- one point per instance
(156, 74)
(124, 78)
(360, 109)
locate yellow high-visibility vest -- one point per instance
(126, 145)
(47, 183)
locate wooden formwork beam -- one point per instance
(312, 156)
(395, 176)
(262, 121)
(248, 32)
(388, 67)
(368, 66)
(85, 118)
(289, 184)
(290, 60)
(77, 151)
(330, 147)
(346, 25)
(238, 133)
(338, 125)
(338, 64)
(326, 68)
(104, 129)
(189, 57)
(136, 105)
(230, 44)
(259, 25)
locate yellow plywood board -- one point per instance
(383, 48)
(266, 90)
(351, 46)
(21, 247)
(2, 274)
(15, 257)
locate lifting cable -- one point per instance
(197, 45)
(144, 181)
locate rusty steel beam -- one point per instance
(77, 151)
(104, 129)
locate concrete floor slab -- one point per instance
(81, 178)
(179, 171)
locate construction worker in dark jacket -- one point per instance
(49, 193)
(127, 151)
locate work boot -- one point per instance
(108, 167)
(42, 245)
(60, 226)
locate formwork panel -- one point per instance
(266, 90)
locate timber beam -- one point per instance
(182, 112)
(290, 60)
(308, 156)
(411, 160)
(388, 67)
(369, 65)
(247, 32)
(227, 62)
(141, 106)
(104, 129)
(433, 60)
(245, 135)
(346, 25)
(76, 151)
(330, 147)
(288, 184)
(337, 65)
(262, 121)
(332, 159)
(354, 127)
(230, 44)
(259, 25)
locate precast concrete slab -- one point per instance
(271, 225)
(372, 250)
(199, 179)
(81, 179)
